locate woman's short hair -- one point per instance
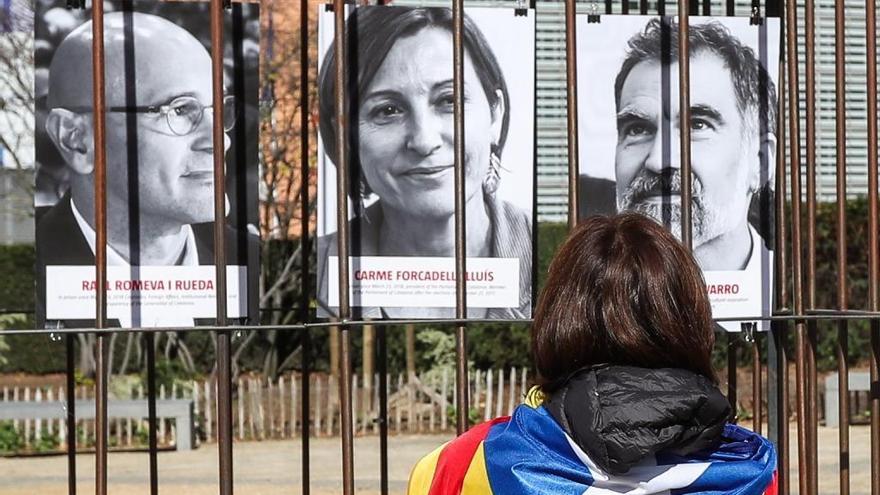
(371, 32)
(622, 290)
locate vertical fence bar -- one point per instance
(873, 225)
(305, 407)
(461, 371)
(101, 365)
(732, 352)
(382, 369)
(151, 412)
(70, 399)
(305, 245)
(757, 412)
(684, 99)
(571, 109)
(842, 303)
(224, 368)
(810, 352)
(779, 329)
(340, 47)
(797, 274)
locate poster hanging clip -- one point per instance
(756, 19)
(54, 325)
(593, 16)
(520, 10)
(748, 331)
(328, 7)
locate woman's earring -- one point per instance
(493, 175)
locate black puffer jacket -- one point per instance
(619, 415)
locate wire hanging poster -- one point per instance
(628, 116)
(401, 157)
(159, 156)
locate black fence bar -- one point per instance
(875, 408)
(152, 434)
(342, 187)
(305, 409)
(461, 371)
(346, 423)
(757, 395)
(732, 348)
(842, 285)
(382, 369)
(305, 246)
(571, 108)
(100, 154)
(70, 404)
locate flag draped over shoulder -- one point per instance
(528, 453)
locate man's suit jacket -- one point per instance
(59, 241)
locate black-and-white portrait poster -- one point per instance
(401, 137)
(159, 164)
(629, 141)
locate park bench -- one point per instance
(181, 410)
(859, 381)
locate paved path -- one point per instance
(270, 468)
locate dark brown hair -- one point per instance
(755, 91)
(622, 290)
(372, 31)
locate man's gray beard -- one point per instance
(668, 213)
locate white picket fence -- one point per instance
(272, 409)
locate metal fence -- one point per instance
(796, 309)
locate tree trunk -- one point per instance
(270, 358)
(111, 353)
(410, 352)
(333, 335)
(86, 354)
(123, 368)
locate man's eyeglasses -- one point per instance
(182, 114)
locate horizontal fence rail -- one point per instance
(343, 403)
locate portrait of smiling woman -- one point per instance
(401, 152)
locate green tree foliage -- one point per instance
(857, 273)
(17, 286)
(489, 345)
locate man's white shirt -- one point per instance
(148, 316)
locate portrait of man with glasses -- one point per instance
(160, 151)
